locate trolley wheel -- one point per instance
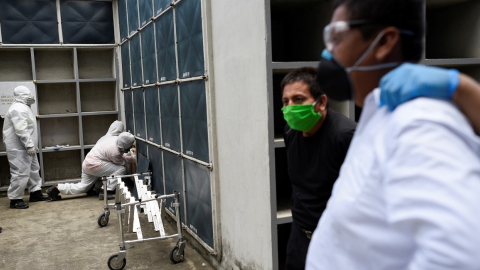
(115, 264)
(175, 257)
(102, 220)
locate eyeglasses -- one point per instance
(335, 32)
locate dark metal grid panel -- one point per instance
(128, 102)
(156, 166)
(132, 10)
(161, 5)
(194, 120)
(87, 22)
(199, 200)
(170, 116)
(173, 180)
(139, 113)
(122, 19)
(127, 80)
(146, 11)
(152, 108)
(29, 22)
(188, 19)
(165, 38)
(136, 60)
(141, 147)
(148, 54)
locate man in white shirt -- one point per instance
(408, 192)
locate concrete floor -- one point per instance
(65, 235)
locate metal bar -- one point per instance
(292, 65)
(39, 133)
(57, 115)
(99, 80)
(150, 239)
(79, 105)
(166, 82)
(59, 22)
(99, 113)
(209, 165)
(451, 62)
(58, 45)
(55, 81)
(129, 175)
(149, 85)
(67, 148)
(149, 200)
(203, 77)
(177, 214)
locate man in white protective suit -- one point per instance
(114, 130)
(21, 141)
(106, 158)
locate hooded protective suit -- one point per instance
(114, 130)
(106, 158)
(21, 141)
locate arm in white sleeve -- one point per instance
(130, 158)
(20, 123)
(432, 193)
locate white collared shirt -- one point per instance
(408, 194)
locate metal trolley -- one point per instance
(126, 207)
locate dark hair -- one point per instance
(307, 75)
(403, 14)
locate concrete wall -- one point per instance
(240, 114)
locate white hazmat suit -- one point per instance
(106, 158)
(21, 141)
(114, 130)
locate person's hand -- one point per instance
(31, 151)
(409, 81)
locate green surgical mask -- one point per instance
(301, 117)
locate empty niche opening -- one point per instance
(283, 234)
(279, 122)
(95, 63)
(15, 65)
(62, 165)
(59, 131)
(283, 185)
(54, 64)
(452, 30)
(57, 98)
(4, 172)
(297, 29)
(96, 126)
(98, 96)
(2, 145)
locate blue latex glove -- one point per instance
(409, 81)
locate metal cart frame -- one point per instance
(126, 207)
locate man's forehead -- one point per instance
(296, 88)
(340, 13)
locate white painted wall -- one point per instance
(239, 88)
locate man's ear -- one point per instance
(322, 103)
(388, 44)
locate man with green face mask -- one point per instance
(317, 139)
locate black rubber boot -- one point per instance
(37, 196)
(110, 195)
(18, 204)
(0, 229)
(53, 193)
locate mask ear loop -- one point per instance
(367, 52)
(315, 102)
